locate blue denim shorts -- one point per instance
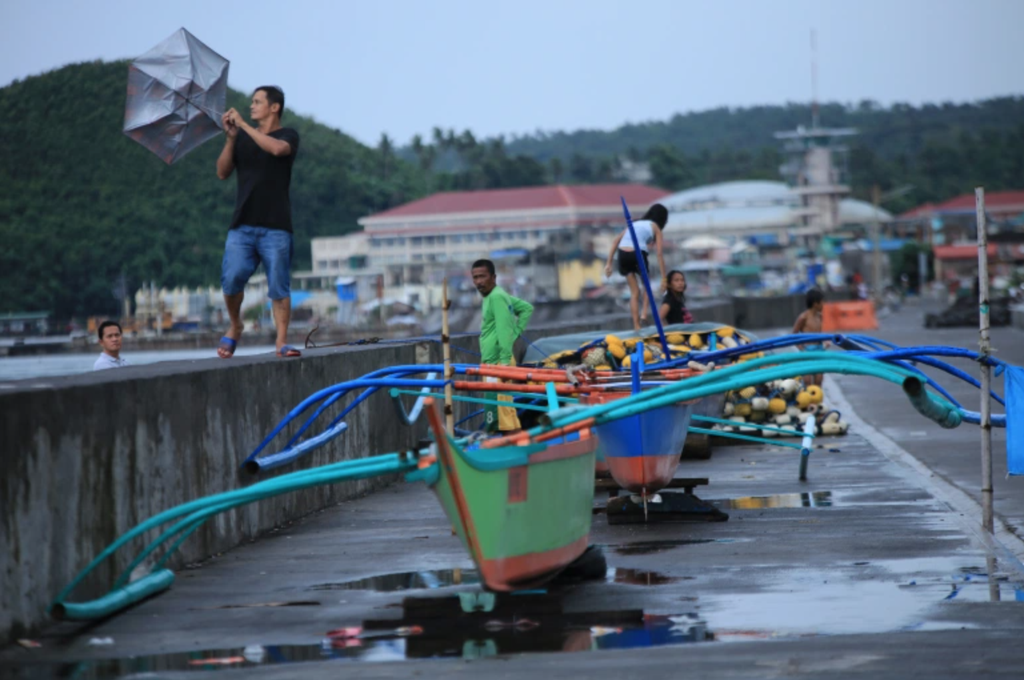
(246, 247)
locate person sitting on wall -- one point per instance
(673, 304)
(110, 340)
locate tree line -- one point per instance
(83, 208)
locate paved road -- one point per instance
(870, 569)
(953, 455)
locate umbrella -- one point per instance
(703, 243)
(176, 95)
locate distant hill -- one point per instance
(889, 131)
(80, 202)
(943, 150)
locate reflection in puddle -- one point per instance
(443, 578)
(408, 580)
(651, 547)
(640, 577)
(440, 638)
(815, 499)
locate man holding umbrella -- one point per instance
(261, 228)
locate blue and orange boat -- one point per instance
(641, 452)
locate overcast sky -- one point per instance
(404, 66)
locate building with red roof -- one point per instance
(999, 205)
(954, 220)
(460, 226)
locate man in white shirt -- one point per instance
(110, 341)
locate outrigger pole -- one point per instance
(646, 278)
(449, 412)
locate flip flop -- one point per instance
(288, 351)
(229, 344)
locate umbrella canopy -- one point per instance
(703, 243)
(176, 96)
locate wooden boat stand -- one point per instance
(674, 506)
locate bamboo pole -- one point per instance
(985, 349)
(876, 250)
(449, 413)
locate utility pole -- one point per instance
(877, 198)
(876, 246)
(986, 370)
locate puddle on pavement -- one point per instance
(642, 577)
(913, 594)
(407, 580)
(814, 499)
(484, 636)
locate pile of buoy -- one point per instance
(782, 404)
(615, 353)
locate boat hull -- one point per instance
(642, 451)
(524, 518)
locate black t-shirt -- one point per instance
(263, 182)
(676, 307)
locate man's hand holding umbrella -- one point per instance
(229, 124)
(234, 122)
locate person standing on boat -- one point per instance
(261, 229)
(673, 304)
(503, 319)
(110, 340)
(648, 228)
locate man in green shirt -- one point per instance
(504, 319)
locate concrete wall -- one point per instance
(85, 458)
(752, 313)
(775, 312)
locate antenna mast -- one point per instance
(815, 120)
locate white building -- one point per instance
(340, 255)
(756, 207)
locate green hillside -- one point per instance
(80, 202)
(943, 150)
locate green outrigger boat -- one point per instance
(522, 512)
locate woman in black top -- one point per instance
(673, 305)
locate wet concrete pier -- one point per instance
(874, 567)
